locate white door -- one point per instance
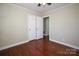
(39, 27)
(31, 27)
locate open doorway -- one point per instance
(46, 27)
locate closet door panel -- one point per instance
(31, 27)
(39, 26)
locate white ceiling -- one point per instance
(34, 7)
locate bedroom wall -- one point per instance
(64, 25)
(13, 25)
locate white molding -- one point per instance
(13, 45)
(72, 46)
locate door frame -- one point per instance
(49, 24)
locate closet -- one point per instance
(35, 27)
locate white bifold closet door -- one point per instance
(35, 27)
(31, 27)
(39, 27)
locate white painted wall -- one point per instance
(64, 25)
(13, 25)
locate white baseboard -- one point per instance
(72, 46)
(19, 43)
(9, 46)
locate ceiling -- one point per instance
(34, 7)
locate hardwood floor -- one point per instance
(41, 47)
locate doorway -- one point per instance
(46, 27)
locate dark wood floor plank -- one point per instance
(40, 47)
